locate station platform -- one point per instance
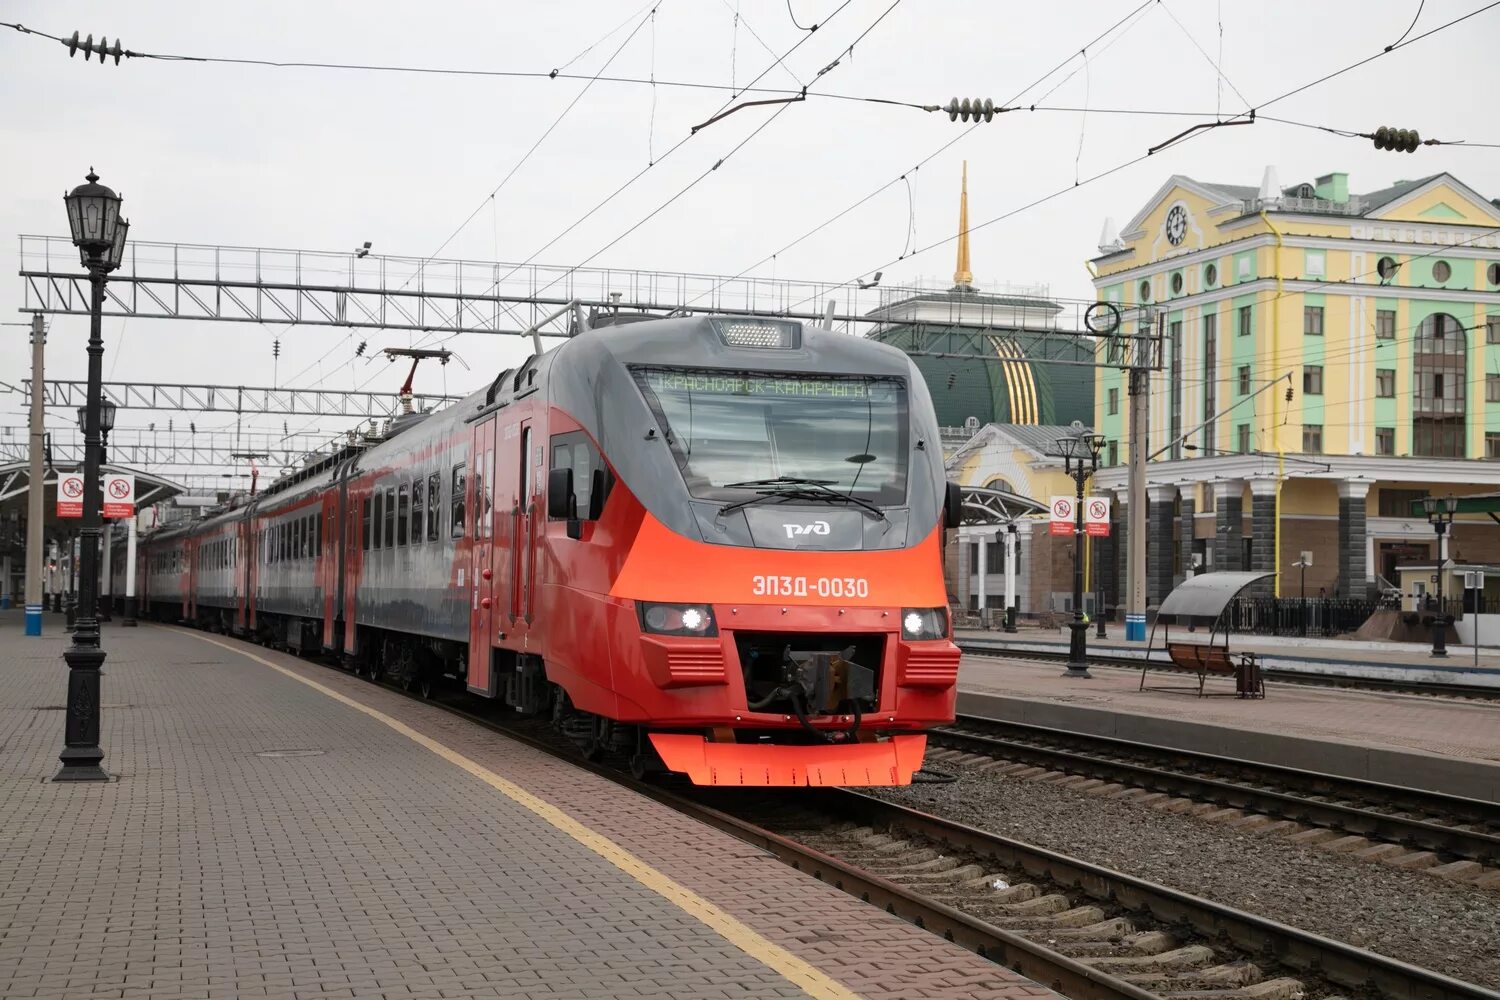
(279, 829)
(1445, 744)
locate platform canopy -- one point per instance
(1207, 594)
(15, 483)
(982, 505)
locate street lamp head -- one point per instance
(93, 217)
(1430, 505)
(83, 417)
(116, 255)
(1450, 504)
(1096, 445)
(1067, 447)
(107, 416)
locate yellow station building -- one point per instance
(1328, 358)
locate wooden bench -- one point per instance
(1204, 660)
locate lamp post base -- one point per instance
(129, 621)
(1439, 637)
(1078, 650)
(82, 755)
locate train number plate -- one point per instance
(805, 586)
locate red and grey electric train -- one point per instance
(710, 544)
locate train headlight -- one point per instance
(924, 623)
(677, 619)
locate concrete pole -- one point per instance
(36, 492)
(129, 621)
(1135, 533)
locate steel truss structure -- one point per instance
(237, 399)
(318, 288)
(140, 448)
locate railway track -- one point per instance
(981, 648)
(1452, 827)
(1083, 930)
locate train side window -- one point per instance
(416, 511)
(591, 479)
(460, 484)
(434, 503)
(364, 519)
(390, 517)
(403, 512)
(379, 510)
(299, 538)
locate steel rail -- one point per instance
(1473, 845)
(1285, 945)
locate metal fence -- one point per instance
(1295, 616)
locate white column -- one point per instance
(984, 568)
(130, 559)
(1011, 557)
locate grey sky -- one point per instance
(323, 159)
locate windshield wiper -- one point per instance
(804, 489)
(781, 480)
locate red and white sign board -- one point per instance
(119, 495)
(1062, 515)
(70, 494)
(1096, 516)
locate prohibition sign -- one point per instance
(73, 487)
(119, 489)
(1097, 510)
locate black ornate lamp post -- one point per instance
(1080, 454)
(99, 234)
(1440, 515)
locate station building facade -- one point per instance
(1328, 357)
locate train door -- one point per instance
(239, 571)
(481, 531)
(523, 557)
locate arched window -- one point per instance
(1439, 383)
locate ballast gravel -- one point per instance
(1448, 927)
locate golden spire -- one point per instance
(962, 277)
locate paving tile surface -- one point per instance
(224, 863)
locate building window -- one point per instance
(1397, 503)
(1243, 433)
(1178, 377)
(1492, 388)
(1493, 273)
(1146, 291)
(1386, 268)
(1316, 264)
(1245, 326)
(1492, 330)
(1385, 324)
(1385, 383)
(1312, 321)
(1312, 380)
(1441, 272)
(1114, 453)
(1491, 444)
(1244, 380)
(1114, 401)
(1312, 439)
(1176, 282)
(1210, 379)
(1385, 440)
(1211, 275)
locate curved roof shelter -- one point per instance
(15, 485)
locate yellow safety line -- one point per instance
(811, 980)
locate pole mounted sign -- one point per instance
(1062, 515)
(119, 495)
(1096, 517)
(70, 494)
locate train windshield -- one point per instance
(848, 433)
